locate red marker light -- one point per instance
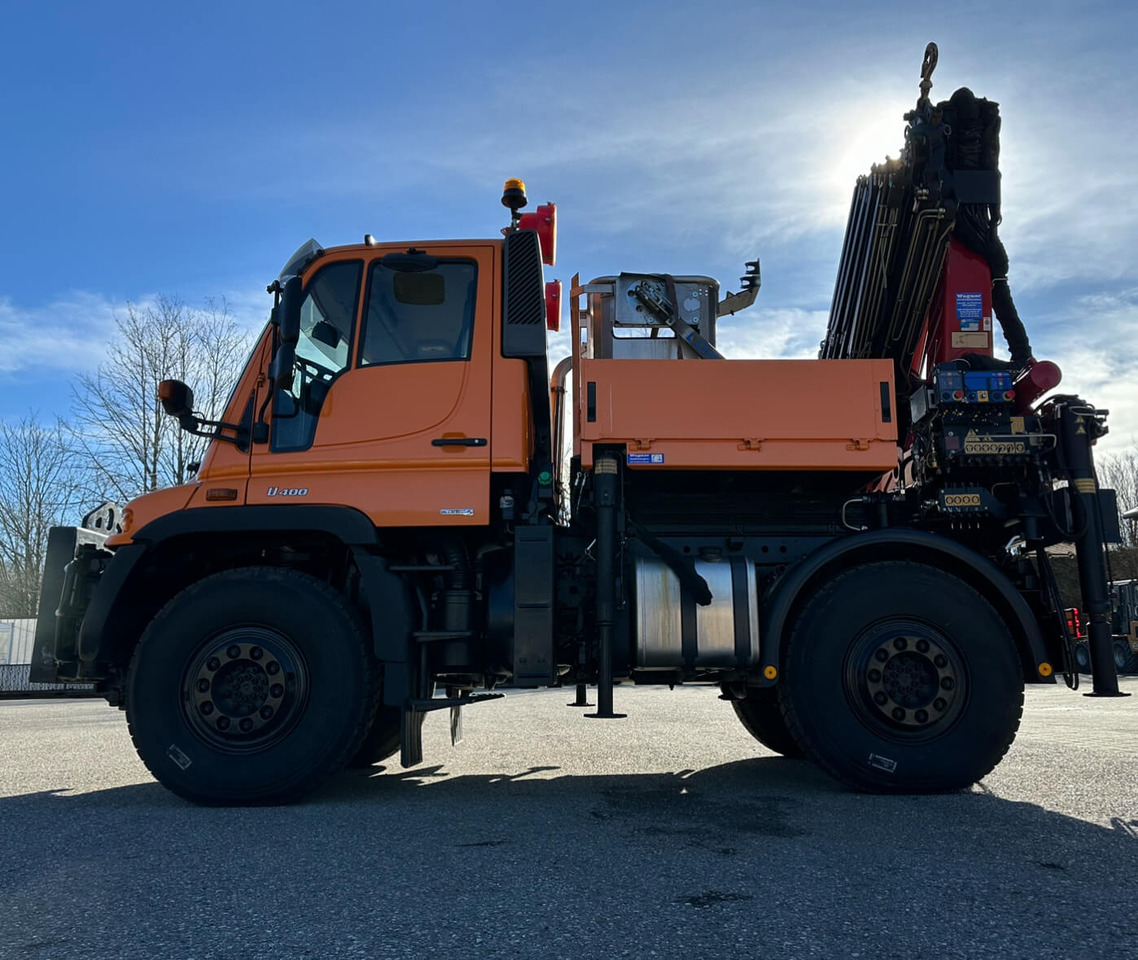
(553, 306)
(958, 395)
(544, 221)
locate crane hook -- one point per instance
(928, 65)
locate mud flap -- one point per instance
(415, 711)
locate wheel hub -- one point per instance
(245, 689)
(906, 677)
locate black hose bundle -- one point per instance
(973, 144)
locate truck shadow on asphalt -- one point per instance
(764, 842)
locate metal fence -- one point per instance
(16, 640)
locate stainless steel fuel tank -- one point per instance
(672, 631)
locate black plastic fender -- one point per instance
(838, 555)
(345, 523)
(385, 592)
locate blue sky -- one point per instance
(187, 150)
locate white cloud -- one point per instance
(1095, 343)
(786, 333)
(71, 334)
(67, 334)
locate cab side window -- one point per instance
(327, 318)
(421, 316)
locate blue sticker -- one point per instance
(969, 310)
(634, 458)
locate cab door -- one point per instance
(389, 411)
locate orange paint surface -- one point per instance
(740, 414)
(373, 448)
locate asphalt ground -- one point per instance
(668, 834)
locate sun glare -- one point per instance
(868, 139)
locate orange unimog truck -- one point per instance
(402, 511)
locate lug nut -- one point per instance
(940, 660)
(246, 725)
(882, 655)
(874, 676)
(266, 712)
(212, 664)
(256, 653)
(880, 699)
(900, 643)
(276, 691)
(206, 708)
(203, 685)
(898, 713)
(923, 646)
(940, 703)
(922, 716)
(947, 683)
(272, 668)
(223, 723)
(233, 652)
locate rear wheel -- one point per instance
(252, 686)
(762, 718)
(900, 678)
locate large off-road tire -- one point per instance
(1083, 656)
(763, 719)
(900, 678)
(382, 740)
(252, 686)
(1124, 660)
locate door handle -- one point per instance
(458, 442)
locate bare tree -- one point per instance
(131, 446)
(38, 489)
(1120, 472)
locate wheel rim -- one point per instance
(905, 680)
(245, 689)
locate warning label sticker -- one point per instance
(973, 341)
(634, 458)
(969, 310)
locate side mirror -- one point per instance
(177, 400)
(281, 369)
(291, 299)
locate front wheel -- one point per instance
(382, 740)
(252, 686)
(901, 678)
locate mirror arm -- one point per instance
(201, 427)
